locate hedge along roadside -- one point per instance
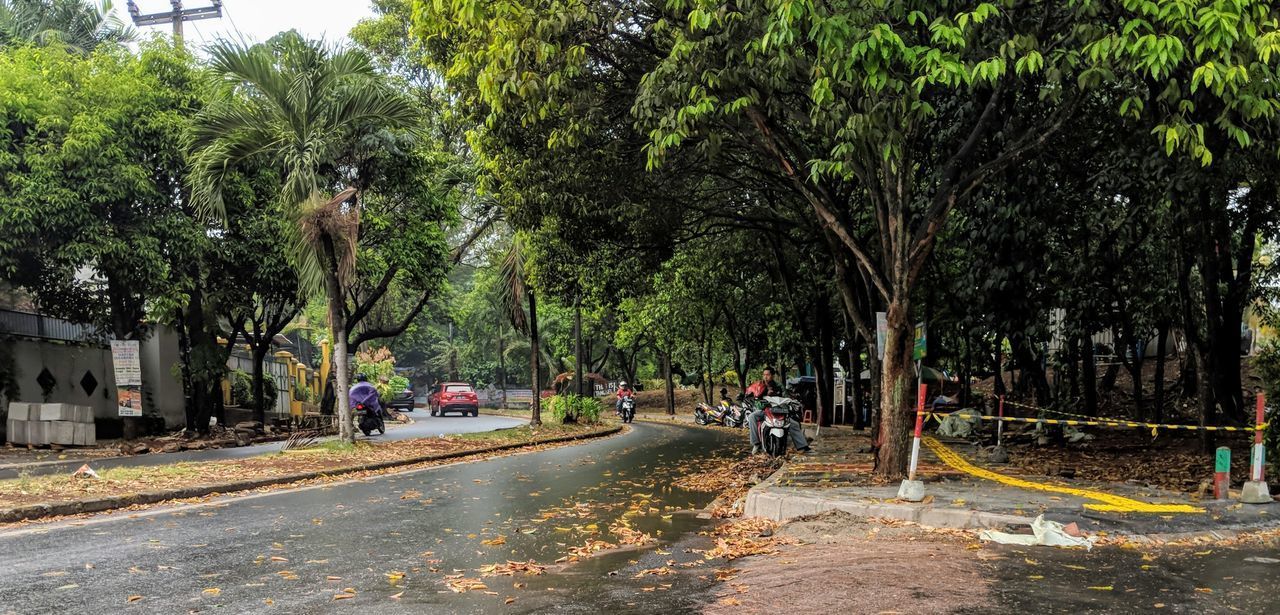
(43, 511)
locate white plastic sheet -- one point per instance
(960, 424)
(1046, 533)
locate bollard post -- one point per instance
(911, 489)
(1255, 490)
(1000, 424)
(1221, 473)
(999, 454)
(915, 444)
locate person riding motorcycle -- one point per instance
(766, 387)
(624, 390)
(364, 393)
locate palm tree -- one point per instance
(78, 24)
(310, 111)
(513, 289)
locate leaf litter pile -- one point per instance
(731, 478)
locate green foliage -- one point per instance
(379, 366)
(92, 160)
(398, 384)
(80, 25)
(571, 408)
(242, 390)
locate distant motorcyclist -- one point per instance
(364, 393)
(624, 391)
(767, 387)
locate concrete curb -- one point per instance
(40, 511)
(763, 502)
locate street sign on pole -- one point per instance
(921, 343)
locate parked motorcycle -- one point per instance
(370, 420)
(628, 410)
(728, 415)
(779, 414)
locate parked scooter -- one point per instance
(628, 410)
(726, 414)
(370, 420)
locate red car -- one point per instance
(454, 397)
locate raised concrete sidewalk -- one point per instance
(837, 477)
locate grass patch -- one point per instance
(525, 432)
(26, 484)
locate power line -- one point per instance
(176, 16)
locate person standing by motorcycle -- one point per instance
(624, 391)
(767, 387)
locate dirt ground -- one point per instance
(846, 564)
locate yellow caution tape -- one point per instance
(1110, 422)
(1109, 502)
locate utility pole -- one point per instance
(175, 16)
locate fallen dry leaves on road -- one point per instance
(462, 585)
(731, 478)
(744, 538)
(511, 568)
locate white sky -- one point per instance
(258, 20)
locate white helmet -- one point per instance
(622, 384)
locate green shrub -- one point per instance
(398, 385)
(570, 408)
(242, 390)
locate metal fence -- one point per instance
(277, 372)
(38, 326)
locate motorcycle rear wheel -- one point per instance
(775, 446)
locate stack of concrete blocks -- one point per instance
(46, 424)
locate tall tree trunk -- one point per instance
(1162, 340)
(997, 368)
(184, 369)
(260, 381)
(876, 368)
(1089, 371)
(826, 368)
(577, 348)
(535, 415)
(898, 396)
(1208, 405)
(502, 367)
(338, 333)
(666, 380)
(855, 366)
(124, 325)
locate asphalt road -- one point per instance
(424, 426)
(294, 551)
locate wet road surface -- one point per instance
(424, 426)
(389, 542)
(1204, 579)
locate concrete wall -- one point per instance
(68, 363)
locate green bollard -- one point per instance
(1221, 473)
